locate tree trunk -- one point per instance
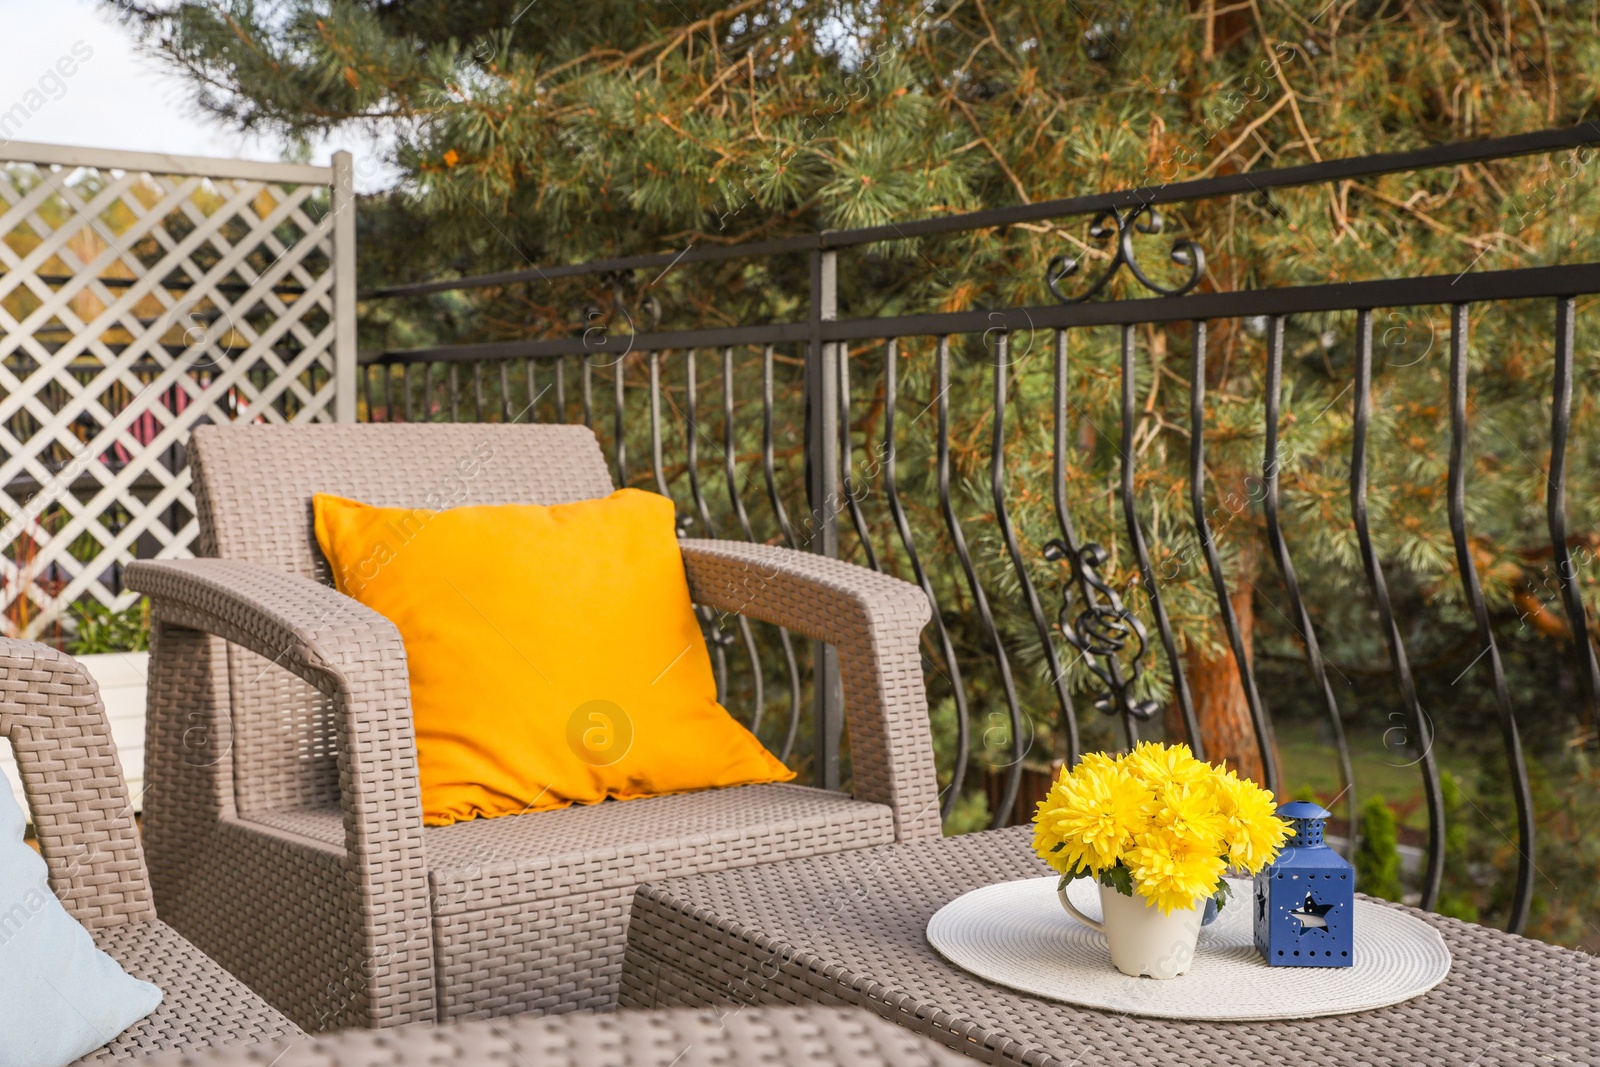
(1226, 729)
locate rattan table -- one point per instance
(730, 1036)
(849, 929)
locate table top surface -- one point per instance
(860, 918)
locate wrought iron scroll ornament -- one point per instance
(1102, 630)
(597, 320)
(1123, 225)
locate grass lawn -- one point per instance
(1308, 759)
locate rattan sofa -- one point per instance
(50, 712)
(282, 814)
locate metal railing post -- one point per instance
(822, 493)
(343, 205)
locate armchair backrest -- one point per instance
(253, 486)
(51, 714)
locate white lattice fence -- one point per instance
(141, 295)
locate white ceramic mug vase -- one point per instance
(1144, 942)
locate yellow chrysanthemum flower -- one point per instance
(1252, 830)
(1049, 845)
(1156, 765)
(1098, 760)
(1047, 842)
(1172, 873)
(1093, 811)
(1189, 812)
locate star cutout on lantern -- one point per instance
(1310, 914)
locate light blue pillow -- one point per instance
(60, 996)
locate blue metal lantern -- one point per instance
(1306, 899)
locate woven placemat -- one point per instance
(1016, 934)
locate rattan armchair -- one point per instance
(50, 712)
(282, 813)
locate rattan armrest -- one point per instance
(873, 621)
(51, 713)
(337, 644)
(317, 632)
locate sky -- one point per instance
(117, 98)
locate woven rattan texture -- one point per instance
(732, 1037)
(874, 621)
(532, 913)
(254, 484)
(331, 937)
(849, 929)
(51, 713)
(505, 891)
(201, 1005)
(364, 918)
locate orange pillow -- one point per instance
(554, 653)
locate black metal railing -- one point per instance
(790, 443)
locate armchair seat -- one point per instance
(521, 893)
(202, 1005)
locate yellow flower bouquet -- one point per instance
(1159, 823)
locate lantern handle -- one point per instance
(1093, 924)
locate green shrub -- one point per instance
(99, 629)
(1378, 857)
(1456, 895)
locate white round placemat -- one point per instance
(1016, 934)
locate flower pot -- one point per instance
(1143, 941)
